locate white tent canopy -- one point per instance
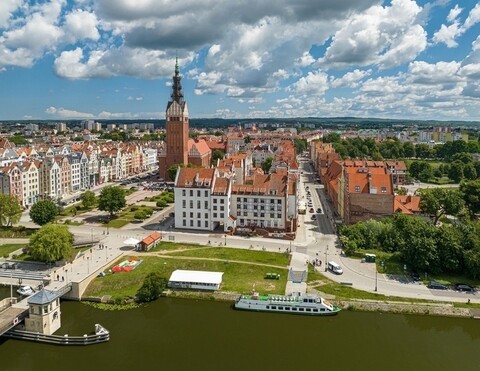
(131, 241)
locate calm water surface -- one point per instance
(176, 334)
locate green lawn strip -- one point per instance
(172, 246)
(236, 278)
(8, 248)
(451, 279)
(226, 253)
(117, 223)
(70, 211)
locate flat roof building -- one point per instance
(197, 280)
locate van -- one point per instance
(334, 268)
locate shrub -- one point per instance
(134, 208)
(152, 287)
(162, 203)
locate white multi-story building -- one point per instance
(150, 158)
(205, 201)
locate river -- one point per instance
(181, 334)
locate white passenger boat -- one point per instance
(26, 291)
(297, 304)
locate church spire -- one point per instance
(177, 94)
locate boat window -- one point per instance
(281, 308)
(274, 307)
(308, 309)
(315, 310)
(287, 308)
(322, 310)
(294, 308)
(268, 306)
(301, 309)
(305, 300)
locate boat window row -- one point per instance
(296, 309)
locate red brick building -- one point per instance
(179, 149)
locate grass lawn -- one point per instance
(8, 248)
(117, 223)
(70, 211)
(451, 279)
(225, 253)
(237, 277)
(172, 246)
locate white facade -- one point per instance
(267, 211)
(192, 211)
(31, 185)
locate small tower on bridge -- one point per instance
(44, 312)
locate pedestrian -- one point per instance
(63, 279)
(58, 277)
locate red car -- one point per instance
(312, 210)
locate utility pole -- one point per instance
(326, 258)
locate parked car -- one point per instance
(314, 217)
(436, 286)
(312, 210)
(319, 210)
(464, 287)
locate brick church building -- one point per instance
(179, 148)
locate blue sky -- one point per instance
(75, 59)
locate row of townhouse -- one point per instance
(208, 199)
(34, 174)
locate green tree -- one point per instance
(112, 199)
(217, 155)
(50, 243)
(332, 138)
(10, 210)
(469, 171)
(472, 263)
(267, 164)
(152, 288)
(172, 171)
(162, 203)
(409, 149)
(88, 199)
(300, 145)
(437, 202)
(43, 212)
(456, 171)
(471, 194)
(18, 140)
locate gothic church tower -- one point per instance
(177, 129)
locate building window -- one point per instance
(206, 204)
(206, 224)
(215, 215)
(384, 189)
(245, 213)
(214, 200)
(222, 208)
(191, 193)
(184, 192)
(222, 215)
(206, 193)
(357, 189)
(214, 208)
(272, 215)
(191, 204)
(199, 205)
(198, 193)
(279, 216)
(239, 213)
(206, 215)
(184, 204)
(191, 215)
(222, 201)
(191, 223)
(199, 215)
(184, 223)
(184, 214)
(199, 223)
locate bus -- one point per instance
(302, 207)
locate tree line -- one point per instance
(424, 244)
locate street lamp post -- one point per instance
(225, 239)
(88, 264)
(106, 253)
(326, 257)
(376, 287)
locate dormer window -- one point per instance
(357, 189)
